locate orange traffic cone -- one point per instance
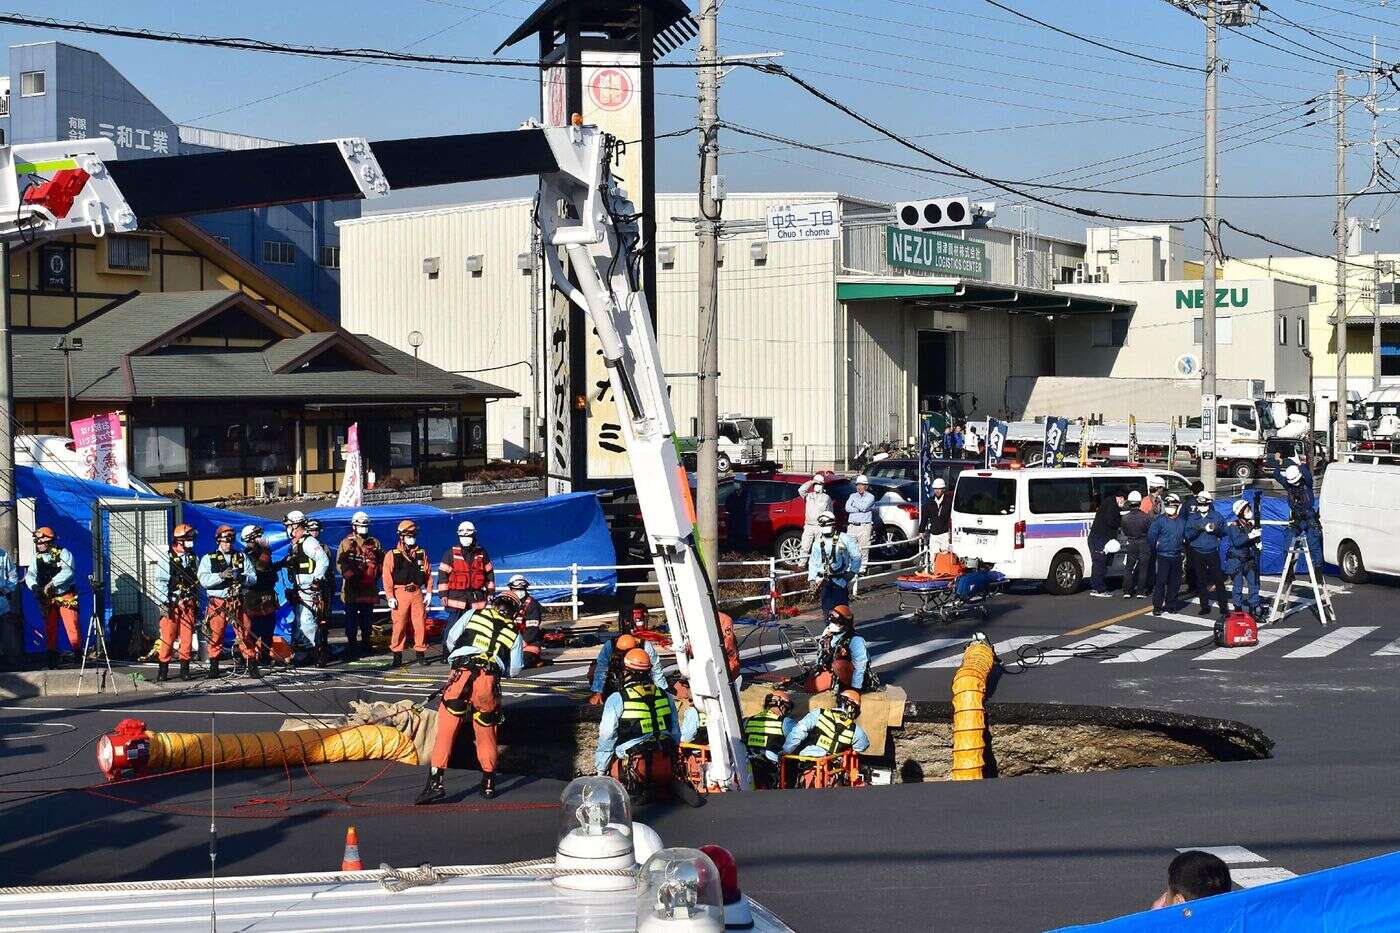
(351, 860)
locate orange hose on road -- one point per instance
(176, 750)
(969, 711)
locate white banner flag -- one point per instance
(352, 488)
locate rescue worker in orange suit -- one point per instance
(260, 599)
(824, 732)
(360, 559)
(843, 657)
(407, 574)
(638, 735)
(225, 574)
(52, 581)
(528, 620)
(466, 579)
(177, 578)
(764, 735)
(325, 593)
(482, 645)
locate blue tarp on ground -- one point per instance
(1361, 896)
(553, 532)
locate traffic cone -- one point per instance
(351, 860)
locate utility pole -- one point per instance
(707, 385)
(1339, 431)
(1209, 256)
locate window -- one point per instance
(1179, 487)
(728, 432)
(1312, 294)
(129, 253)
(1224, 331)
(216, 450)
(279, 253)
(1059, 496)
(1302, 331)
(400, 444)
(475, 440)
(330, 257)
(441, 438)
(767, 493)
(157, 452)
(31, 84)
(270, 443)
(1109, 330)
(1067, 275)
(1385, 293)
(1241, 416)
(1105, 487)
(892, 471)
(1282, 331)
(985, 495)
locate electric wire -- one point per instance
(1082, 38)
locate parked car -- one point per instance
(1360, 509)
(1033, 524)
(907, 468)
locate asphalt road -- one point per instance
(1023, 853)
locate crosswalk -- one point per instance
(1248, 868)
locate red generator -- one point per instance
(1237, 630)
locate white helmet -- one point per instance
(295, 517)
(939, 483)
(818, 478)
(1205, 495)
(518, 582)
(1134, 497)
(827, 519)
(249, 534)
(359, 518)
(1156, 482)
(466, 528)
(862, 480)
(1239, 506)
(1292, 474)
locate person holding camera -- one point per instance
(1296, 478)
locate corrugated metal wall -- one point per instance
(877, 383)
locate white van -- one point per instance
(1360, 508)
(1034, 524)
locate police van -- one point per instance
(1034, 524)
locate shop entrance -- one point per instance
(934, 370)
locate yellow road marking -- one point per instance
(1107, 622)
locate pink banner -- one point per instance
(352, 439)
(100, 442)
(352, 486)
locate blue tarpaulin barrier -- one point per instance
(1361, 896)
(553, 532)
(1276, 537)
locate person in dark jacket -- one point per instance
(1137, 555)
(1242, 558)
(1104, 529)
(1167, 539)
(1204, 532)
(938, 517)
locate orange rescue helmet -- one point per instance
(778, 698)
(841, 613)
(636, 660)
(625, 643)
(45, 533)
(408, 527)
(183, 532)
(222, 531)
(852, 697)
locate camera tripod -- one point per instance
(1326, 614)
(96, 638)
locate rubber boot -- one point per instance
(488, 784)
(251, 668)
(213, 669)
(163, 672)
(419, 656)
(434, 790)
(398, 659)
(185, 670)
(53, 660)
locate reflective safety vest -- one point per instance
(492, 634)
(646, 713)
(219, 562)
(266, 570)
(467, 570)
(182, 576)
(408, 567)
(299, 563)
(48, 563)
(764, 733)
(833, 733)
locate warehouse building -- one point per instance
(837, 341)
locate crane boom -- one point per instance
(52, 188)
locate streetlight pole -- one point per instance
(1339, 430)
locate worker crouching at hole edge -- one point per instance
(225, 573)
(52, 581)
(176, 577)
(824, 733)
(407, 574)
(605, 676)
(765, 734)
(843, 659)
(482, 645)
(639, 732)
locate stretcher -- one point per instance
(944, 598)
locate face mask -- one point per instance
(1171, 510)
(1203, 509)
(362, 531)
(466, 540)
(409, 541)
(225, 546)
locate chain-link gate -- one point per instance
(129, 538)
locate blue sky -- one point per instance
(1004, 96)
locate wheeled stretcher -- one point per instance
(944, 598)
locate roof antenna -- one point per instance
(213, 829)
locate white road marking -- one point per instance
(1230, 855)
(1154, 650)
(162, 711)
(1111, 635)
(1335, 640)
(1390, 649)
(1203, 621)
(1004, 649)
(916, 651)
(1267, 636)
(1254, 877)
(1239, 855)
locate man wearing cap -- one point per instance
(833, 563)
(360, 559)
(466, 578)
(1137, 556)
(817, 501)
(260, 601)
(177, 579)
(860, 517)
(937, 520)
(407, 578)
(307, 564)
(52, 581)
(225, 573)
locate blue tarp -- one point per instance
(553, 532)
(1361, 896)
(1276, 537)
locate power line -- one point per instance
(1082, 38)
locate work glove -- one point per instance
(595, 700)
(1255, 534)
(393, 603)
(1210, 528)
(227, 575)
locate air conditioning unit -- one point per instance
(267, 487)
(1079, 270)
